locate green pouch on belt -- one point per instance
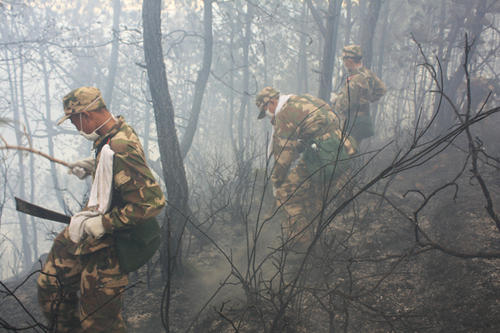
(137, 245)
(322, 155)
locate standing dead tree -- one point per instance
(201, 80)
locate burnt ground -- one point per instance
(368, 274)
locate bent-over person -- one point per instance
(310, 154)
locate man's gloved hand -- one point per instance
(82, 168)
(333, 98)
(76, 226)
(79, 172)
(93, 227)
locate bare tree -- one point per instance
(201, 80)
(113, 59)
(368, 31)
(329, 33)
(171, 158)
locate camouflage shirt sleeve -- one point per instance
(285, 140)
(136, 194)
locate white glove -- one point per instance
(76, 226)
(82, 168)
(79, 172)
(333, 98)
(93, 227)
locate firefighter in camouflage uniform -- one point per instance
(310, 153)
(362, 87)
(83, 257)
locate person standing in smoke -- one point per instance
(361, 88)
(84, 257)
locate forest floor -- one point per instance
(367, 274)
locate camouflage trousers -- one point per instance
(303, 199)
(97, 278)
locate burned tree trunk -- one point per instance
(23, 222)
(113, 60)
(171, 158)
(330, 35)
(201, 81)
(245, 98)
(368, 31)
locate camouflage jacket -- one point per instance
(362, 87)
(136, 194)
(301, 120)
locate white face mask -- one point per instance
(92, 136)
(269, 114)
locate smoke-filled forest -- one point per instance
(407, 237)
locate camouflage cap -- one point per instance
(81, 99)
(263, 97)
(352, 51)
